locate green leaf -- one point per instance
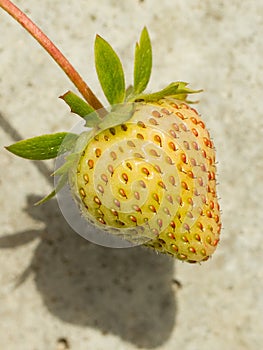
(109, 71)
(129, 92)
(61, 183)
(63, 173)
(43, 147)
(92, 119)
(118, 115)
(76, 104)
(46, 198)
(142, 62)
(71, 159)
(68, 143)
(176, 89)
(83, 109)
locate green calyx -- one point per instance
(111, 76)
(122, 100)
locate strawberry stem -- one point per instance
(53, 51)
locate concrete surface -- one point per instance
(58, 291)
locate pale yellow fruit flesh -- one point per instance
(155, 175)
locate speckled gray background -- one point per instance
(53, 283)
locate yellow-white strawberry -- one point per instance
(153, 178)
(146, 170)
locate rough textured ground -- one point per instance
(58, 291)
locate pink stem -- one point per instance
(54, 52)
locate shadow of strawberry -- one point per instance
(126, 292)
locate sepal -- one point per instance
(176, 89)
(43, 147)
(109, 70)
(61, 183)
(77, 105)
(142, 62)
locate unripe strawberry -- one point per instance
(152, 180)
(145, 170)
